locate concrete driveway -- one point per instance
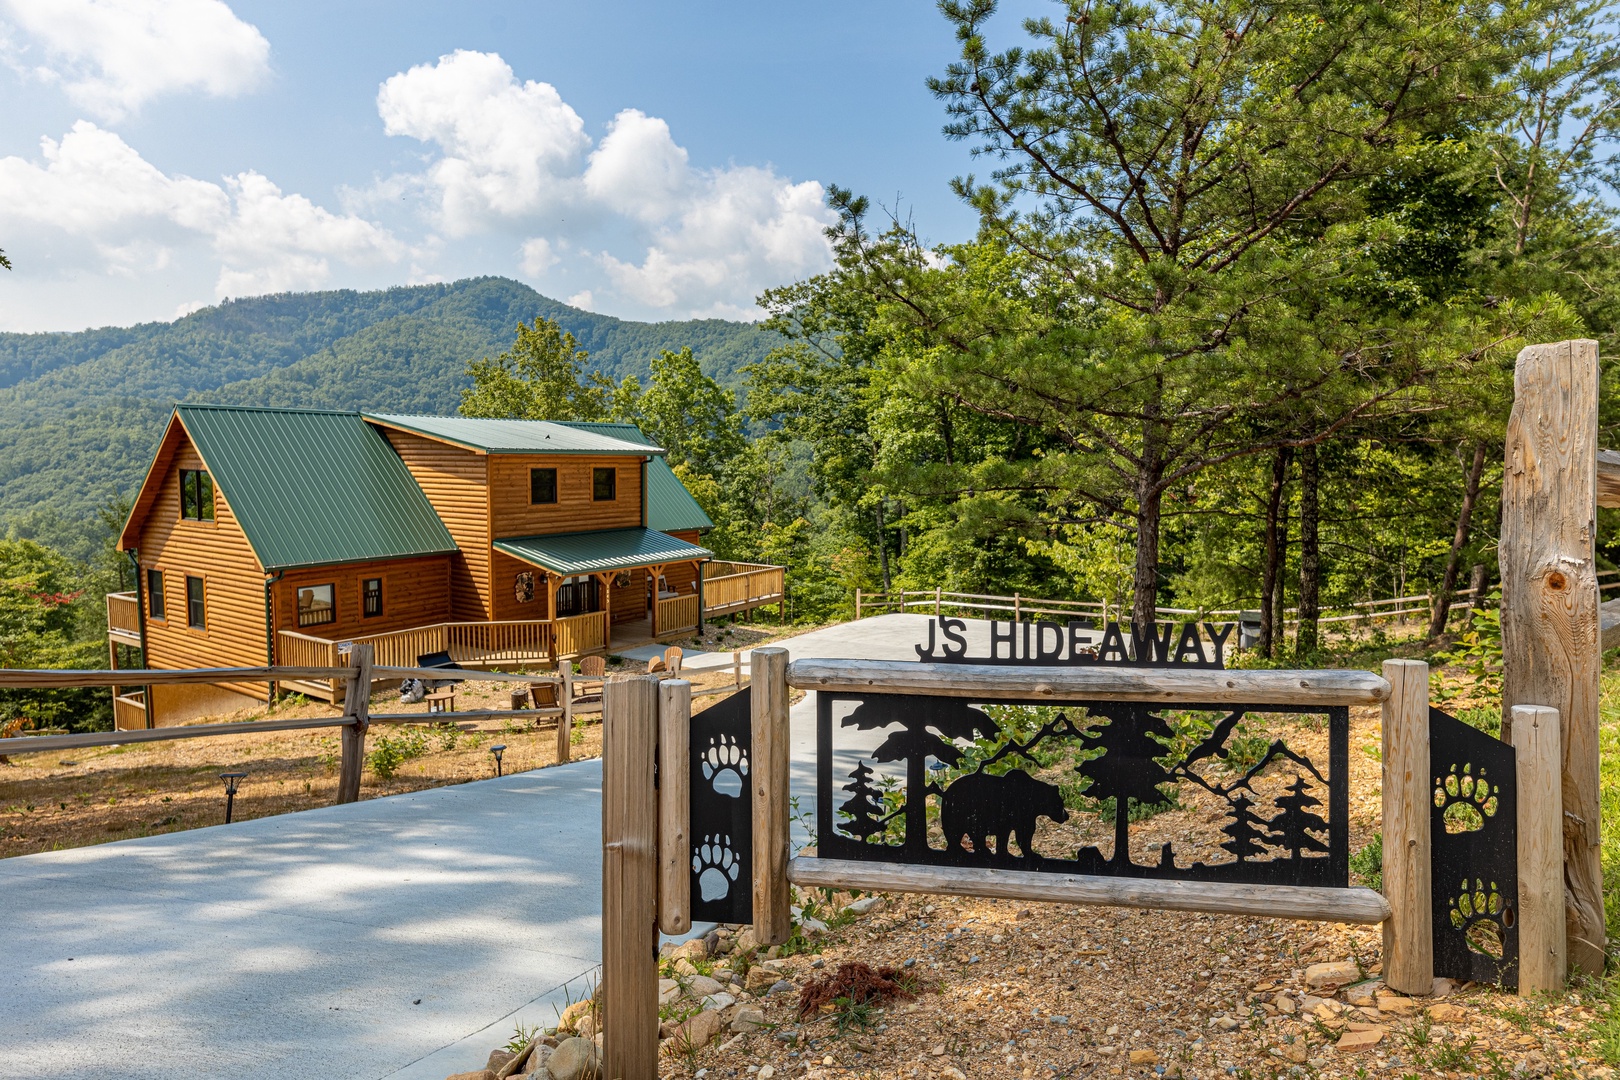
(398, 938)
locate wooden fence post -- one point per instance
(773, 922)
(736, 667)
(674, 807)
(938, 593)
(857, 603)
(1409, 930)
(629, 878)
(1550, 631)
(1543, 941)
(357, 707)
(565, 722)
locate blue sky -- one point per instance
(647, 160)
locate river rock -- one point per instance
(699, 986)
(697, 1031)
(1352, 1041)
(574, 1059)
(696, 949)
(864, 905)
(481, 1074)
(747, 1019)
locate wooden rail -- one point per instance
(123, 614)
(676, 614)
(741, 586)
(40, 743)
(1199, 685)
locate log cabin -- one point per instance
(281, 536)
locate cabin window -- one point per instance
(577, 596)
(196, 615)
(542, 486)
(371, 597)
(196, 495)
(154, 593)
(316, 605)
(604, 484)
(523, 587)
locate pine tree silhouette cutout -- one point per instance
(916, 743)
(1126, 769)
(1246, 829)
(1292, 828)
(865, 809)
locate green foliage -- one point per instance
(1367, 863)
(1478, 649)
(389, 752)
(48, 611)
(541, 377)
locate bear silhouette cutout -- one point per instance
(979, 807)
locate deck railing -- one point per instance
(124, 613)
(306, 651)
(578, 635)
(678, 613)
(731, 587)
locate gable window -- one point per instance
(154, 593)
(196, 614)
(196, 495)
(604, 484)
(542, 486)
(371, 597)
(316, 605)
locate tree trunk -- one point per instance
(1459, 539)
(1279, 622)
(1149, 513)
(883, 548)
(916, 804)
(1122, 831)
(1306, 641)
(1270, 571)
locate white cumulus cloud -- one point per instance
(126, 216)
(684, 241)
(113, 56)
(508, 148)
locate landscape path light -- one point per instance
(496, 750)
(231, 780)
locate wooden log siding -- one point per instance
(233, 586)
(1303, 688)
(511, 513)
(416, 592)
(504, 599)
(455, 482)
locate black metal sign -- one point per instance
(948, 781)
(1048, 644)
(722, 811)
(1474, 845)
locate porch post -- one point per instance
(607, 610)
(700, 563)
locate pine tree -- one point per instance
(865, 810)
(1127, 769)
(1246, 830)
(1292, 827)
(916, 742)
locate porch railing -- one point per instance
(305, 651)
(678, 613)
(124, 613)
(731, 587)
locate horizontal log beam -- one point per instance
(453, 715)
(1608, 478)
(1353, 905)
(69, 678)
(1212, 685)
(469, 674)
(40, 743)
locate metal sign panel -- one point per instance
(1474, 845)
(948, 781)
(722, 809)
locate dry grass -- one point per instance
(59, 800)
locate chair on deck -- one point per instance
(543, 695)
(672, 659)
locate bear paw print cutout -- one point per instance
(1480, 912)
(1465, 798)
(724, 766)
(716, 866)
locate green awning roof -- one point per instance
(596, 552)
(670, 507)
(312, 487)
(516, 436)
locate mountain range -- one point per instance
(81, 412)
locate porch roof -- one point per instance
(596, 552)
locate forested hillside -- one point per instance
(80, 412)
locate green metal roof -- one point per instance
(517, 436)
(670, 507)
(594, 552)
(313, 488)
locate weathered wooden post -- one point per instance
(857, 603)
(1543, 942)
(565, 722)
(1409, 930)
(357, 707)
(674, 807)
(629, 878)
(1550, 644)
(773, 922)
